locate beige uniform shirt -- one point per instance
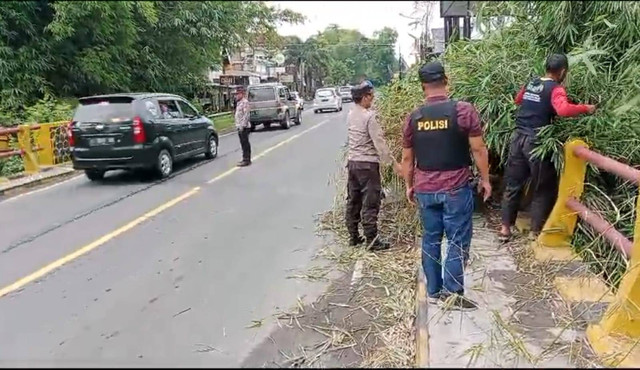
(365, 140)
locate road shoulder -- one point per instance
(364, 319)
(17, 184)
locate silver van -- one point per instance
(272, 103)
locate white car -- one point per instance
(299, 99)
(327, 99)
(345, 93)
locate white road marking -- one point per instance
(42, 189)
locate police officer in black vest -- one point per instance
(439, 139)
(541, 100)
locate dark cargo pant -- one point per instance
(544, 182)
(364, 193)
(243, 133)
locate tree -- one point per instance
(340, 56)
(86, 47)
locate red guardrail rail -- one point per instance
(618, 333)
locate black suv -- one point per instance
(138, 131)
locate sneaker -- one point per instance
(355, 241)
(378, 245)
(434, 300)
(457, 302)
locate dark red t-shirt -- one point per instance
(433, 181)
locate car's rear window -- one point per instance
(324, 93)
(262, 94)
(104, 110)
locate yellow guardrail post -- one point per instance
(559, 228)
(45, 156)
(4, 142)
(616, 339)
(29, 158)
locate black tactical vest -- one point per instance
(438, 143)
(536, 110)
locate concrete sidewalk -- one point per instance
(507, 330)
(14, 184)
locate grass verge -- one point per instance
(223, 123)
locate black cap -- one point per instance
(240, 89)
(365, 87)
(431, 72)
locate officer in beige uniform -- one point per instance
(366, 149)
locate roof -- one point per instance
(266, 84)
(233, 72)
(129, 95)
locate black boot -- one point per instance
(244, 163)
(355, 240)
(377, 244)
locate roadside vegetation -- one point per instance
(602, 39)
(603, 42)
(73, 49)
(341, 56)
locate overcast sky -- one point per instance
(364, 16)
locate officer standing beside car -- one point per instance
(243, 125)
(366, 149)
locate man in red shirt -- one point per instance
(540, 101)
(437, 140)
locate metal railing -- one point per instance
(619, 329)
(44, 144)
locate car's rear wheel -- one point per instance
(267, 125)
(164, 165)
(315, 111)
(253, 127)
(286, 122)
(94, 175)
(212, 147)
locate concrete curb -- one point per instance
(422, 329)
(422, 317)
(52, 174)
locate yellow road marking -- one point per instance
(224, 174)
(268, 150)
(89, 247)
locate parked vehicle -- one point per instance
(299, 99)
(273, 103)
(327, 99)
(345, 93)
(138, 131)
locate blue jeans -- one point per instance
(446, 213)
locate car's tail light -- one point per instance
(72, 140)
(139, 136)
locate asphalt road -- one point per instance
(133, 272)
